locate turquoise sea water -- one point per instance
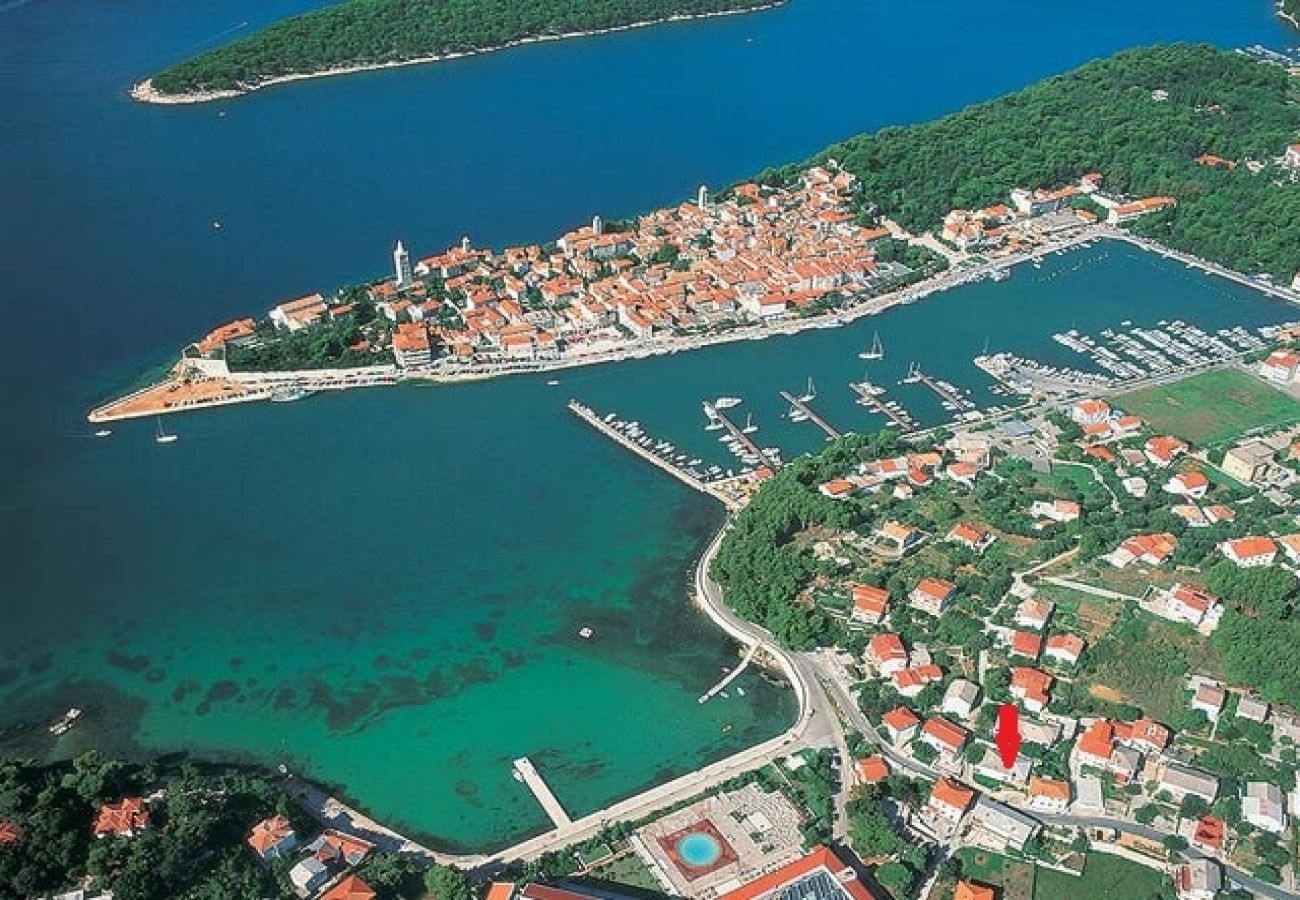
(383, 588)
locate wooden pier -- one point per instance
(873, 403)
(529, 775)
(803, 407)
(946, 394)
(736, 432)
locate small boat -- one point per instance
(877, 350)
(750, 427)
(162, 437)
(216, 225)
(65, 722)
(810, 393)
(727, 402)
(726, 729)
(289, 393)
(103, 432)
(740, 692)
(586, 633)
(552, 383)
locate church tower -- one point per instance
(402, 265)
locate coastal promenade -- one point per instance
(816, 726)
(159, 399)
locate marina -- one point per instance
(738, 441)
(801, 411)
(869, 396)
(953, 398)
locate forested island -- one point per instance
(360, 34)
(1142, 118)
(1290, 10)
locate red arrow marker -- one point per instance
(1008, 734)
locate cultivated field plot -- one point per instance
(1103, 877)
(1212, 407)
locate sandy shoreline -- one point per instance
(145, 92)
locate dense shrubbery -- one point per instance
(1259, 632)
(193, 847)
(1102, 117)
(368, 32)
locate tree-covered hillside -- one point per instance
(1103, 117)
(370, 32)
(1291, 9)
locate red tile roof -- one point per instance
(350, 888)
(950, 793)
(126, 817)
(818, 858)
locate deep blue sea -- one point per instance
(383, 588)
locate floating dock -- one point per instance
(947, 393)
(803, 407)
(529, 775)
(873, 403)
(738, 433)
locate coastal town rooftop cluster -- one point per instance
(1112, 765)
(759, 254)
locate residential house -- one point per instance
(1090, 412)
(900, 725)
(126, 818)
(308, 875)
(1191, 484)
(1162, 450)
(1280, 366)
(1187, 603)
(1054, 511)
(1209, 698)
(1207, 834)
(1252, 709)
(886, 654)
(969, 890)
(1001, 827)
(1198, 879)
(350, 888)
(948, 802)
(972, 537)
(1151, 549)
(1049, 795)
(1030, 687)
(870, 604)
(1026, 643)
(1034, 614)
(990, 767)
(1264, 806)
(945, 737)
(272, 838)
(1065, 648)
(872, 770)
(1250, 552)
(1183, 781)
(932, 595)
(902, 537)
(961, 698)
(911, 681)
(411, 346)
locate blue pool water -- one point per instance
(699, 849)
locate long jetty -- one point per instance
(588, 415)
(730, 676)
(529, 775)
(874, 404)
(946, 394)
(803, 407)
(736, 432)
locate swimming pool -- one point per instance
(699, 849)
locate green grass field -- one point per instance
(1104, 878)
(1212, 407)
